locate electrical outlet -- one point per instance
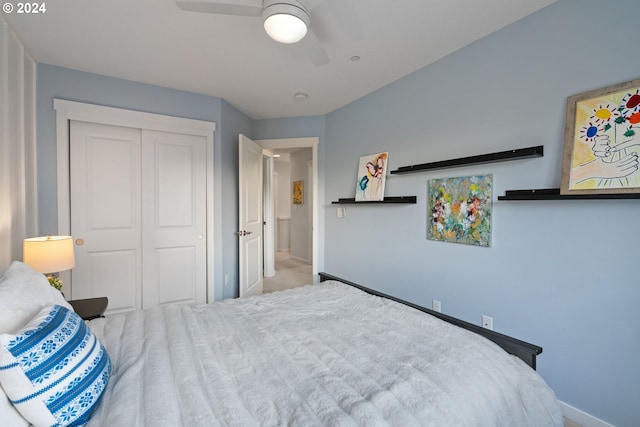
(226, 279)
(341, 212)
(436, 305)
(487, 322)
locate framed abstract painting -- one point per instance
(601, 142)
(371, 177)
(459, 210)
(298, 192)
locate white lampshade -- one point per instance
(285, 23)
(49, 254)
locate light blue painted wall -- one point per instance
(63, 83)
(297, 127)
(233, 123)
(561, 274)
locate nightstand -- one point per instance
(90, 308)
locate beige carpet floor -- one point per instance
(290, 273)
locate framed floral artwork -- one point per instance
(371, 177)
(601, 142)
(298, 192)
(459, 210)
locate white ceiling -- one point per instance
(231, 57)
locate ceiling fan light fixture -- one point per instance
(285, 22)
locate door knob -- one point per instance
(243, 232)
(79, 242)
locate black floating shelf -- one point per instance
(520, 153)
(387, 200)
(554, 194)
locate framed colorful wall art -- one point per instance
(459, 210)
(371, 177)
(298, 193)
(601, 143)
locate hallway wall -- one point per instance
(301, 215)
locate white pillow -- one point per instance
(24, 292)
(8, 413)
(54, 370)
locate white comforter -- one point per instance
(321, 355)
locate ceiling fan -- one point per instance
(285, 21)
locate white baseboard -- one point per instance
(581, 417)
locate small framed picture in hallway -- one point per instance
(298, 192)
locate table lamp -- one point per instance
(49, 255)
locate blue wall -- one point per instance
(55, 82)
(233, 123)
(560, 274)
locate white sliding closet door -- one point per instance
(105, 214)
(173, 218)
(138, 215)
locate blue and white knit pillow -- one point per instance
(54, 370)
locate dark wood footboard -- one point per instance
(524, 350)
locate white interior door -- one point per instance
(173, 218)
(105, 213)
(250, 217)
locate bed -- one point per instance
(329, 354)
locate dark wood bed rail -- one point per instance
(524, 350)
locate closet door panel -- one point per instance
(174, 218)
(106, 214)
(176, 284)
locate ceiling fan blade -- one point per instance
(239, 7)
(311, 47)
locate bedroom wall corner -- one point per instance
(18, 182)
(233, 123)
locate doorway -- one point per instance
(292, 208)
(295, 251)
